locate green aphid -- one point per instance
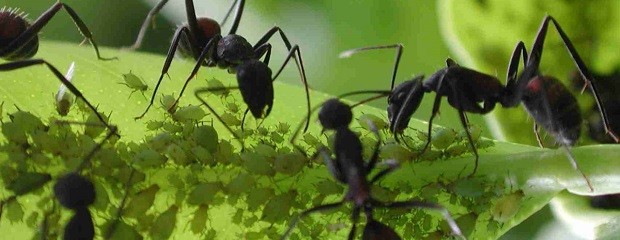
(276, 137)
(506, 207)
(164, 224)
(469, 187)
(283, 127)
(397, 152)
(214, 83)
(206, 137)
(485, 143)
(278, 208)
(258, 196)
(475, 132)
(262, 131)
(161, 141)
(240, 184)
(365, 119)
(32, 220)
(94, 127)
(457, 150)
(189, 113)
(204, 193)
(154, 125)
(199, 221)
(177, 154)
(102, 201)
(203, 155)
(328, 187)
(1, 111)
(257, 164)
(28, 182)
(167, 103)
(64, 99)
(431, 155)
(141, 202)
(238, 217)
(148, 158)
(14, 211)
(311, 140)
(225, 152)
(122, 231)
(290, 164)
(232, 107)
(230, 119)
(27, 121)
(14, 133)
(265, 150)
(172, 127)
(443, 138)
(136, 176)
(134, 83)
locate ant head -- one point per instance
(13, 24)
(376, 230)
(74, 191)
(335, 114)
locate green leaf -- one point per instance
(258, 186)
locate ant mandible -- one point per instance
(19, 42)
(201, 39)
(349, 168)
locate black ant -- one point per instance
(471, 91)
(77, 192)
(19, 42)
(201, 39)
(350, 168)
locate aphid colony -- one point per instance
(67, 178)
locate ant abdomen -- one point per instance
(13, 24)
(254, 78)
(557, 110)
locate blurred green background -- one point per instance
(322, 28)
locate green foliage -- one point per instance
(190, 172)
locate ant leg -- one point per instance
(538, 139)
(173, 47)
(392, 165)
(573, 162)
(308, 212)
(292, 53)
(355, 217)
(232, 6)
(264, 50)
(463, 118)
(436, 105)
(399, 52)
(32, 31)
(119, 211)
(243, 119)
(423, 205)
(150, 19)
(204, 102)
(206, 52)
(331, 166)
(237, 18)
(112, 131)
(375, 154)
(412, 102)
(31, 62)
(585, 74)
(515, 88)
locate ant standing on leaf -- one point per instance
(349, 168)
(19, 42)
(545, 98)
(201, 39)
